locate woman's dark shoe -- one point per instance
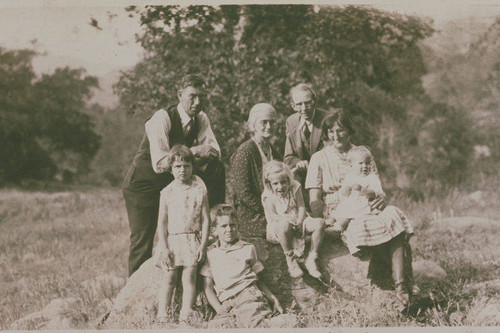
(415, 290)
(401, 294)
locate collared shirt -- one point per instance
(232, 269)
(185, 118)
(158, 128)
(303, 122)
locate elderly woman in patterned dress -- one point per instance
(384, 235)
(246, 169)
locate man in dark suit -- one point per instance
(303, 130)
(185, 123)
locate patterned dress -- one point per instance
(246, 181)
(184, 207)
(327, 170)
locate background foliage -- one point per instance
(42, 127)
(423, 111)
(361, 59)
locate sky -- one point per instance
(61, 29)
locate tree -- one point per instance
(361, 59)
(42, 127)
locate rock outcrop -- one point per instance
(136, 305)
(53, 317)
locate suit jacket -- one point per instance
(295, 148)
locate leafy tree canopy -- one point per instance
(42, 127)
(362, 59)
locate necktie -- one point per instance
(188, 127)
(307, 132)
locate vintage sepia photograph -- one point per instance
(249, 164)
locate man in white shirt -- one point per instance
(185, 123)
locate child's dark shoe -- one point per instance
(415, 290)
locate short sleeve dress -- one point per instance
(326, 171)
(184, 207)
(285, 208)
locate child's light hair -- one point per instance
(359, 151)
(222, 210)
(275, 167)
(182, 152)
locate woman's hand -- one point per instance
(378, 203)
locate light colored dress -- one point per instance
(357, 202)
(286, 208)
(184, 207)
(328, 168)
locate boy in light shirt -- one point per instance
(231, 273)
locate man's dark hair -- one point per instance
(223, 210)
(191, 80)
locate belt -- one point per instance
(182, 233)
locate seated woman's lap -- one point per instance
(373, 230)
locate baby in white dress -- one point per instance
(360, 186)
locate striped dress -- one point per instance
(327, 169)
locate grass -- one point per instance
(74, 243)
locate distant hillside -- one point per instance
(463, 62)
(105, 96)
(47, 63)
(453, 39)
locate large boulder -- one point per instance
(343, 274)
(136, 304)
(55, 316)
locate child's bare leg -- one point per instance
(285, 234)
(341, 224)
(188, 290)
(316, 227)
(166, 292)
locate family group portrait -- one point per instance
(257, 166)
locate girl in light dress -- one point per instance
(183, 229)
(287, 221)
